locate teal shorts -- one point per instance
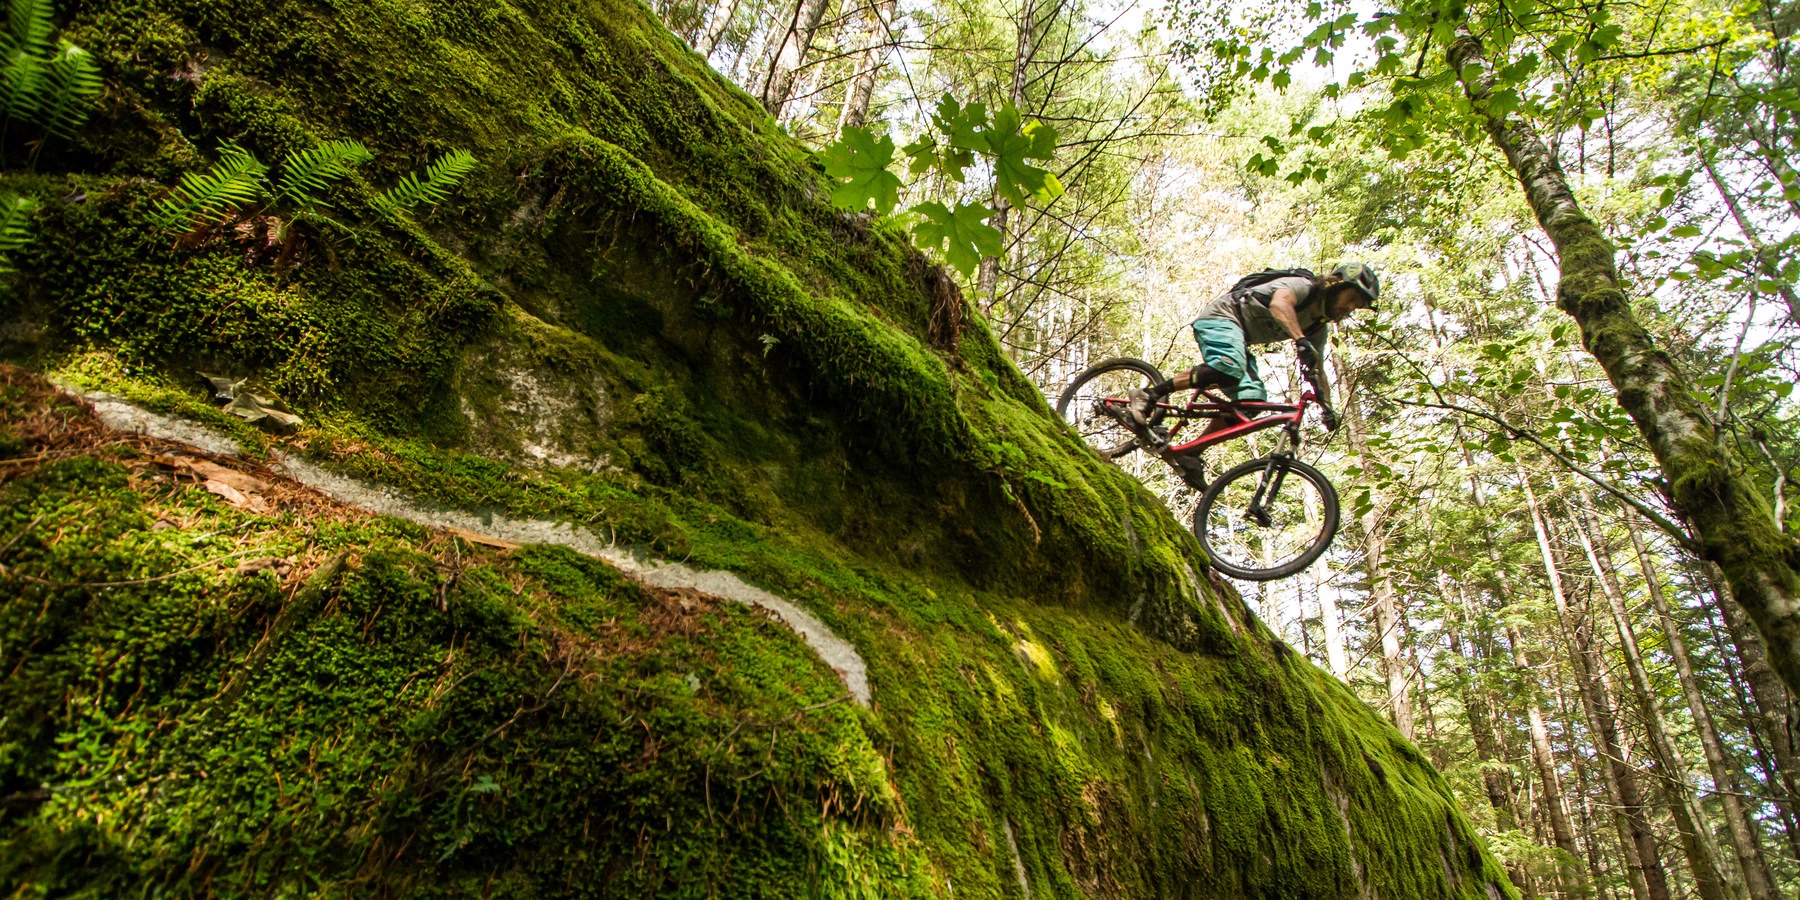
(1222, 347)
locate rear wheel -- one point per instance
(1092, 401)
(1267, 518)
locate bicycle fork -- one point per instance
(1270, 486)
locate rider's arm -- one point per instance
(1320, 336)
(1284, 306)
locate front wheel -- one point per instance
(1267, 519)
(1093, 401)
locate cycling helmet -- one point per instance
(1362, 278)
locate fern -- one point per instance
(440, 177)
(15, 227)
(237, 179)
(28, 28)
(52, 87)
(23, 77)
(306, 173)
(74, 82)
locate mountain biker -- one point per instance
(1292, 306)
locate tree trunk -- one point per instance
(1759, 883)
(1648, 881)
(1598, 863)
(877, 44)
(716, 31)
(787, 54)
(1556, 807)
(1772, 703)
(1733, 523)
(1766, 265)
(1710, 879)
(987, 277)
(1381, 585)
(1496, 778)
(1335, 657)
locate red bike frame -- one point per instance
(1247, 418)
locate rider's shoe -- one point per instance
(1139, 405)
(1192, 470)
(1136, 416)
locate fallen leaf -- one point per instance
(236, 497)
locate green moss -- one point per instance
(759, 396)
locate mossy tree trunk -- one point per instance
(1734, 525)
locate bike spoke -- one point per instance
(1265, 519)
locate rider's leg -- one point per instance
(1143, 401)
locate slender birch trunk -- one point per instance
(1542, 753)
(1648, 880)
(1335, 657)
(1381, 585)
(788, 53)
(1759, 883)
(1598, 862)
(1734, 525)
(987, 277)
(877, 44)
(716, 30)
(1711, 880)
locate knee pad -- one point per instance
(1204, 375)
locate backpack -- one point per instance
(1250, 282)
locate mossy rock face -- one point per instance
(639, 316)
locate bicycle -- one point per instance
(1254, 522)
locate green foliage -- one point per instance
(53, 86)
(860, 163)
(15, 227)
(961, 234)
(239, 179)
(216, 194)
(440, 178)
(305, 174)
(1010, 143)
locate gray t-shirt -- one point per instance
(1251, 313)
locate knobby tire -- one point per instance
(1328, 517)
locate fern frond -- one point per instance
(305, 173)
(28, 28)
(237, 179)
(440, 178)
(23, 77)
(74, 84)
(15, 227)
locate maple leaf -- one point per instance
(961, 234)
(859, 161)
